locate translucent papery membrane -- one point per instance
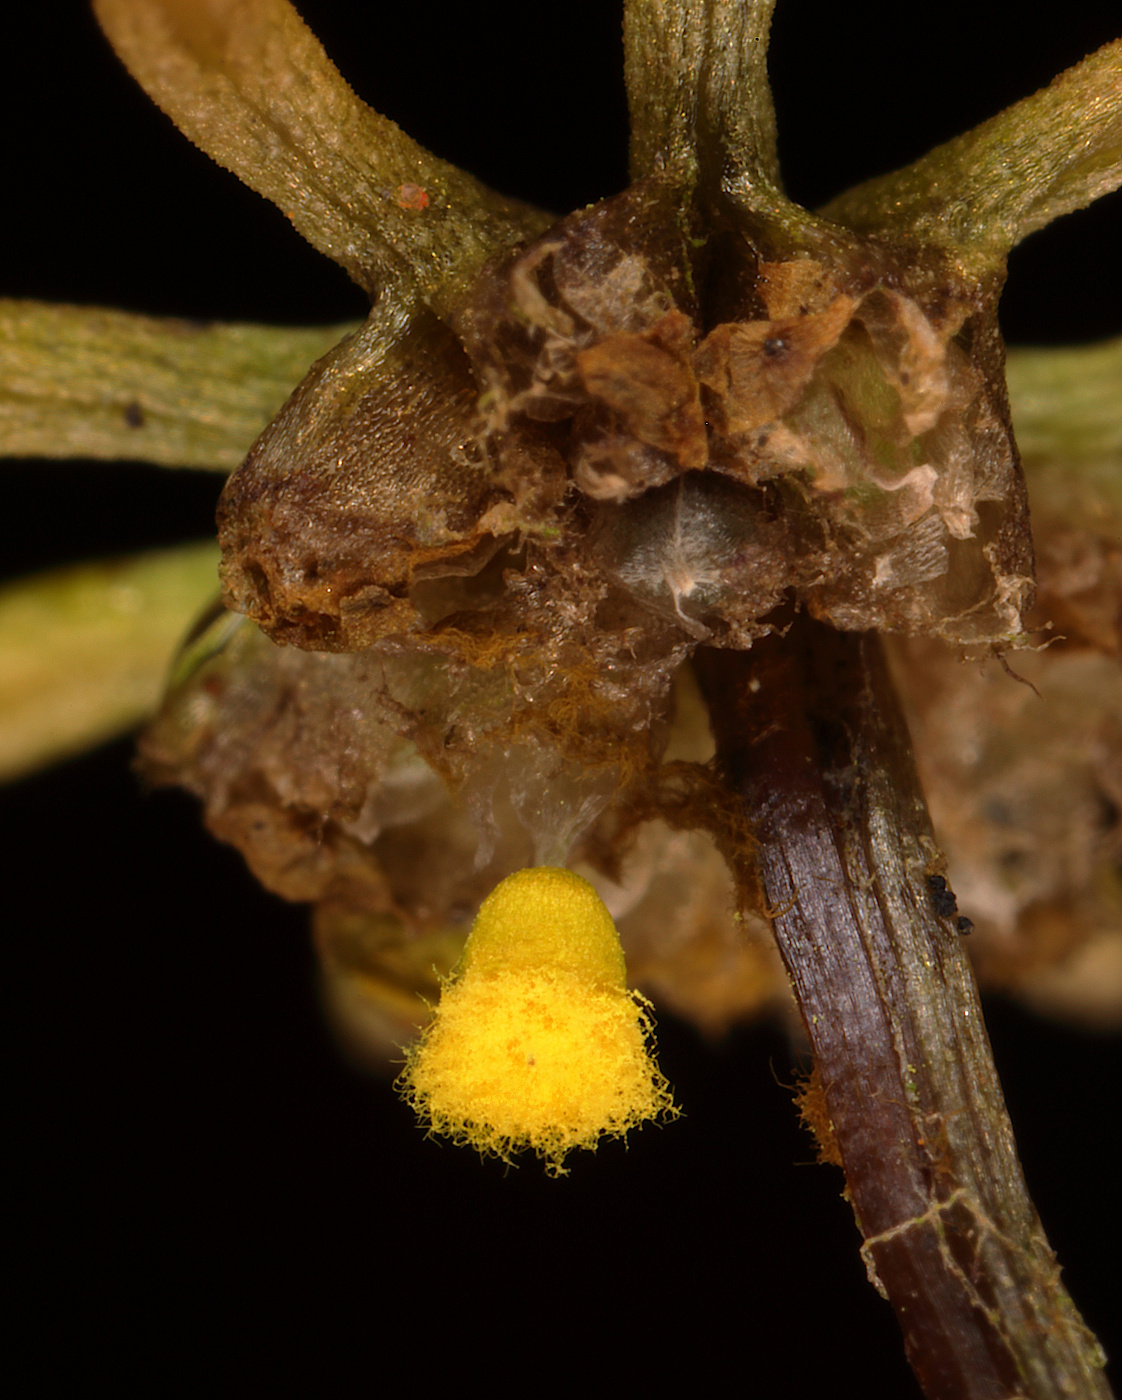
(339, 775)
(323, 771)
(625, 445)
(315, 768)
(861, 432)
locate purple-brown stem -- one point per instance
(816, 756)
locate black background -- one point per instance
(209, 1198)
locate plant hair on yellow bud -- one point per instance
(537, 1043)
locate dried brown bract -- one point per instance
(561, 455)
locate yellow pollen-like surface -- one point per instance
(546, 917)
(537, 1043)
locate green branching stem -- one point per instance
(1067, 403)
(84, 651)
(986, 190)
(1067, 410)
(697, 85)
(251, 85)
(80, 381)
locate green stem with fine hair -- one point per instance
(80, 381)
(986, 190)
(84, 651)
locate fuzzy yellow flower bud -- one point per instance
(537, 1043)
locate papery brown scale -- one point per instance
(365, 480)
(799, 287)
(756, 370)
(652, 389)
(415, 487)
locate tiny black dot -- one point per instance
(942, 897)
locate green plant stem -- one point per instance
(251, 85)
(986, 190)
(1067, 411)
(816, 757)
(84, 652)
(80, 381)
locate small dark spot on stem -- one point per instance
(773, 346)
(134, 414)
(942, 897)
(963, 925)
(1109, 812)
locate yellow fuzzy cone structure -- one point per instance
(537, 1042)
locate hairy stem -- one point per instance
(82, 381)
(816, 756)
(84, 651)
(1052, 153)
(251, 85)
(697, 78)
